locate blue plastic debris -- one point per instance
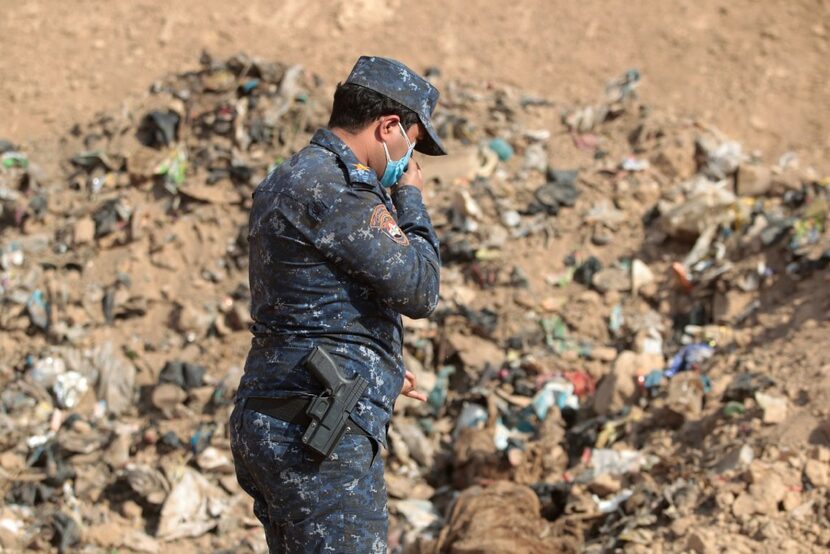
(688, 357)
(502, 148)
(557, 392)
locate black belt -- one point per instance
(292, 410)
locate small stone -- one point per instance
(731, 305)
(84, 231)
(738, 457)
(515, 456)
(792, 500)
(167, 396)
(753, 180)
(700, 542)
(511, 218)
(775, 407)
(12, 461)
(681, 525)
(230, 483)
(724, 500)
(612, 279)
(199, 397)
(603, 353)
(524, 299)
(767, 492)
(605, 485)
(131, 510)
(552, 303)
(619, 387)
(641, 275)
(117, 454)
(743, 506)
(817, 473)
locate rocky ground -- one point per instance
(628, 353)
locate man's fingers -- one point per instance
(417, 395)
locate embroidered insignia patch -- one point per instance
(361, 167)
(383, 220)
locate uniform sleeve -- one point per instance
(399, 259)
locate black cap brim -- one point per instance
(431, 145)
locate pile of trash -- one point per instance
(596, 370)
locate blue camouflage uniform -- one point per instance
(335, 260)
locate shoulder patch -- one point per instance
(383, 220)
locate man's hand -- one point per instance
(412, 177)
(408, 388)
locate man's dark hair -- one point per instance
(355, 107)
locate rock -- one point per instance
(603, 353)
(700, 542)
(641, 276)
(792, 500)
(731, 306)
(238, 317)
(612, 279)
(685, 395)
(525, 299)
(476, 352)
(167, 396)
(737, 458)
(675, 162)
(132, 510)
(753, 180)
(398, 486)
(191, 322)
(11, 531)
(817, 473)
(211, 194)
(743, 506)
(213, 459)
(767, 489)
(84, 231)
(619, 387)
(117, 454)
(116, 535)
(774, 407)
(605, 484)
(12, 461)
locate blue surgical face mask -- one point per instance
(395, 169)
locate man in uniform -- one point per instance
(340, 246)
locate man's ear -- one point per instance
(388, 125)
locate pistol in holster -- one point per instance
(330, 411)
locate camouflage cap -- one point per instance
(394, 80)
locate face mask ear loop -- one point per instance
(409, 144)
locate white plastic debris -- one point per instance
(69, 388)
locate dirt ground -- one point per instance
(755, 69)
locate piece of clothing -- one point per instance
(334, 261)
(307, 505)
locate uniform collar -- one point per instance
(358, 173)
